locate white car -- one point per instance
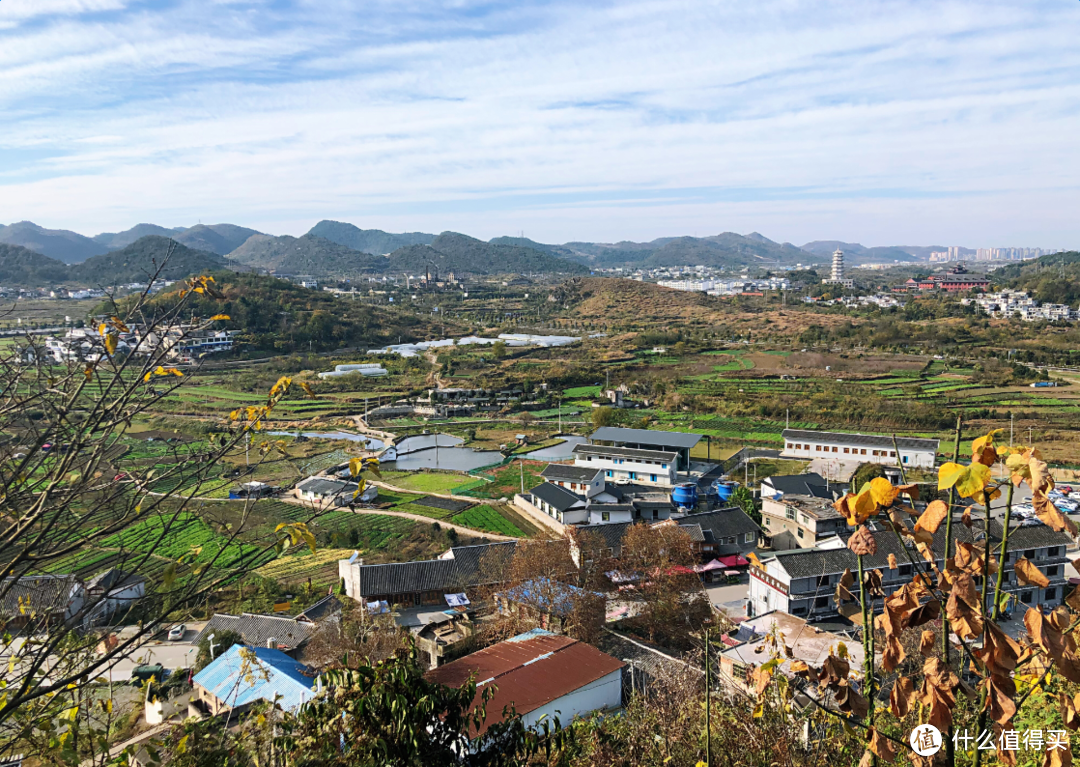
(176, 633)
(1064, 504)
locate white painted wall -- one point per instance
(604, 693)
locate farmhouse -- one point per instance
(645, 439)
(626, 464)
(802, 581)
(336, 492)
(542, 676)
(274, 631)
(242, 676)
(800, 521)
(802, 641)
(426, 582)
(112, 592)
(862, 448)
(54, 598)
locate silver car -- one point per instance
(176, 633)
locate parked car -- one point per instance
(176, 633)
(1067, 489)
(145, 672)
(1064, 504)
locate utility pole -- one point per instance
(1012, 421)
(787, 418)
(212, 645)
(521, 468)
(708, 705)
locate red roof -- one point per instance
(528, 672)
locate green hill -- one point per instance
(117, 240)
(453, 252)
(1052, 279)
(525, 242)
(279, 316)
(215, 238)
(69, 247)
(22, 267)
(374, 241)
(727, 250)
(307, 255)
(141, 259)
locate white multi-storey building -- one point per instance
(863, 448)
(625, 464)
(1013, 303)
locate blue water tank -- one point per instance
(724, 490)
(684, 496)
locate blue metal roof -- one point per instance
(548, 595)
(271, 675)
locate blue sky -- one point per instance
(885, 122)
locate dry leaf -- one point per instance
(900, 698)
(882, 746)
(892, 561)
(926, 644)
(1029, 575)
(931, 519)
(862, 543)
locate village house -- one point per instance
(49, 598)
(625, 464)
(861, 448)
(802, 582)
(242, 676)
(648, 440)
(112, 592)
(800, 521)
(429, 581)
(543, 676)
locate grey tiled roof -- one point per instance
(869, 440)
(722, 523)
(327, 486)
(568, 473)
(469, 566)
(811, 484)
(256, 629)
(625, 452)
(695, 532)
(113, 579)
(674, 439)
(323, 608)
(559, 497)
(44, 594)
(807, 563)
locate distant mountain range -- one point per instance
(333, 249)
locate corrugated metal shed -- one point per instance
(528, 671)
(271, 676)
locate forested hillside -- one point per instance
(453, 252)
(1053, 279)
(307, 255)
(141, 259)
(281, 316)
(24, 268)
(374, 241)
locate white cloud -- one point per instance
(892, 121)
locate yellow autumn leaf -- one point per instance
(882, 491)
(110, 343)
(968, 480)
(220, 317)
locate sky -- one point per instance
(875, 121)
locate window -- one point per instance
(608, 473)
(892, 453)
(1053, 551)
(875, 453)
(1051, 594)
(790, 446)
(863, 451)
(749, 537)
(633, 475)
(800, 610)
(835, 449)
(789, 513)
(905, 571)
(729, 541)
(822, 581)
(605, 516)
(1029, 553)
(905, 459)
(847, 450)
(663, 466)
(655, 514)
(1025, 597)
(652, 477)
(821, 602)
(799, 532)
(1051, 571)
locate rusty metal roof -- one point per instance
(529, 671)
